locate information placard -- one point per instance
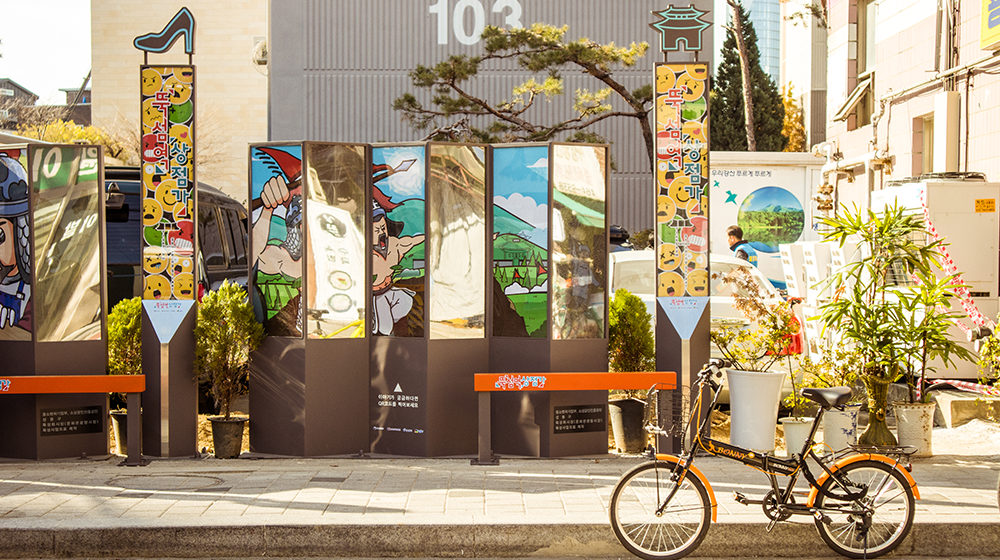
(72, 421)
(579, 419)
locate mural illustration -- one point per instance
(579, 248)
(398, 262)
(520, 241)
(456, 244)
(15, 256)
(681, 166)
(168, 177)
(770, 216)
(335, 271)
(276, 231)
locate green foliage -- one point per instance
(837, 367)
(890, 305)
(989, 360)
(728, 118)
(541, 50)
(794, 127)
(926, 320)
(860, 310)
(225, 335)
(68, 132)
(757, 347)
(642, 239)
(125, 338)
(630, 336)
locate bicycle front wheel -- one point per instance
(650, 533)
(873, 525)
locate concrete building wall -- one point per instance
(905, 89)
(231, 94)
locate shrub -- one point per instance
(225, 334)
(630, 344)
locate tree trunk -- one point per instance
(745, 67)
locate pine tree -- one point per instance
(728, 124)
(794, 128)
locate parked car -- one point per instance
(222, 234)
(635, 271)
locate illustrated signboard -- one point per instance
(276, 215)
(398, 254)
(579, 240)
(768, 200)
(15, 243)
(521, 241)
(168, 206)
(335, 271)
(681, 180)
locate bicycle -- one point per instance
(862, 502)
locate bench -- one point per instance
(488, 383)
(132, 385)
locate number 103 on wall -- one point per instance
(509, 10)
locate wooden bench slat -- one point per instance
(584, 381)
(55, 384)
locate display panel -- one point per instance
(67, 199)
(15, 247)
(336, 206)
(579, 241)
(681, 179)
(521, 241)
(276, 242)
(456, 248)
(168, 177)
(398, 214)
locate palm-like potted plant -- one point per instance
(928, 318)
(226, 333)
(124, 358)
(752, 350)
(630, 348)
(867, 311)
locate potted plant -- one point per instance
(754, 389)
(630, 348)
(226, 333)
(798, 425)
(927, 321)
(866, 310)
(837, 366)
(124, 358)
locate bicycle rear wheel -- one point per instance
(673, 533)
(875, 524)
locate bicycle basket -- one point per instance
(665, 412)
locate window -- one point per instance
(237, 234)
(210, 236)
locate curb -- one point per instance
(786, 540)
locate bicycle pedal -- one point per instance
(822, 517)
(740, 498)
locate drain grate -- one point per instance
(164, 482)
(328, 479)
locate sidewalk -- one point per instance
(366, 507)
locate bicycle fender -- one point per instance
(698, 474)
(813, 492)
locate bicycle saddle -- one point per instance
(829, 397)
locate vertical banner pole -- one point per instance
(170, 267)
(681, 179)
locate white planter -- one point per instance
(840, 427)
(753, 403)
(915, 426)
(796, 432)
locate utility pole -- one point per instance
(745, 68)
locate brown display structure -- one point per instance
(52, 297)
(309, 221)
(429, 269)
(550, 294)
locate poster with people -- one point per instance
(398, 255)
(15, 247)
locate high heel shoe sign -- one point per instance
(181, 24)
